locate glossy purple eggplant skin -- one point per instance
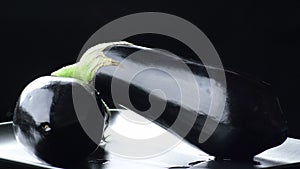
(252, 120)
(45, 121)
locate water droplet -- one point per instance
(179, 167)
(46, 126)
(98, 161)
(195, 162)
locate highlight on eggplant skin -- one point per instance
(252, 120)
(45, 121)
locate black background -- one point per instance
(259, 38)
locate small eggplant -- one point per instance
(250, 123)
(46, 123)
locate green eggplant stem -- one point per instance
(93, 59)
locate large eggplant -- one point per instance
(141, 78)
(46, 123)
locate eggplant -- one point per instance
(46, 123)
(127, 75)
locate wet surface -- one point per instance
(180, 156)
(233, 121)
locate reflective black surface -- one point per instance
(12, 155)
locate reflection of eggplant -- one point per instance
(251, 121)
(45, 121)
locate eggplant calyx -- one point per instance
(93, 59)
